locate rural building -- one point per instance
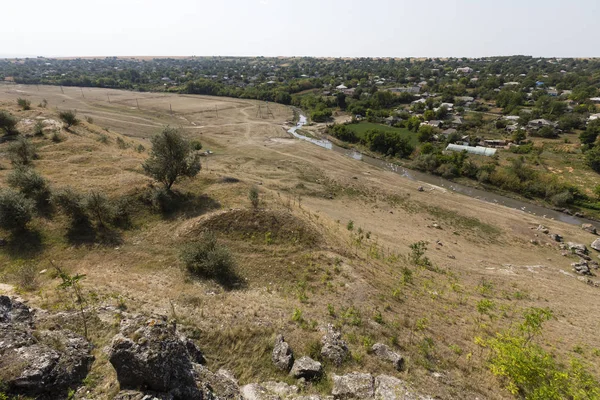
(408, 89)
(595, 99)
(495, 143)
(463, 70)
(435, 123)
(341, 87)
(418, 101)
(540, 123)
(449, 131)
(477, 150)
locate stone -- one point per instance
(589, 228)
(42, 363)
(543, 229)
(385, 353)
(306, 368)
(556, 237)
(581, 267)
(282, 355)
(577, 247)
(221, 384)
(149, 354)
(254, 391)
(420, 189)
(596, 245)
(391, 388)
(354, 385)
(334, 348)
(137, 395)
(281, 389)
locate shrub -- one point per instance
(24, 103)
(163, 200)
(38, 129)
(21, 152)
(103, 138)
(592, 157)
(56, 138)
(121, 143)
(15, 210)
(99, 207)
(8, 123)
(196, 145)
(69, 117)
(253, 196)
(89, 120)
(140, 148)
(208, 259)
(43, 104)
(31, 185)
(70, 203)
(562, 199)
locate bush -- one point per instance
(70, 203)
(562, 199)
(89, 120)
(208, 259)
(24, 103)
(31, 185)
(592, 158)
(196, 145)
(8, 123)
(56, 138)
(69, 117)
(163, 200)
(15, 210)
(99, 207)
(21, 152)
(253, 196)
(38, 129)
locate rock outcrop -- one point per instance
(306, 368)
(148, 354)
(282, 355)
(334, 348)
(589, 228)
(385, 353)
(596, 245)
(37, 362)
(364, 386)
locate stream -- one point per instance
(434, 180)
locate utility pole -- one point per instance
(171, 108)
(108, 97)
(269, 113)
(138, 104)
(217, 110)
(82, 92)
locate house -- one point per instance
(594, 117)
(510, 84)
(495, 143)
(465, 99)
(418, 101)
(540, 123)
(349, 92)
(511, 117)
(449, 131)
(457, 121)
(391, 120)
(463, 70)
(478, 150)
(341, 87)
(449, 106)
(434, 122)
(595, 99)
(552, 92)
(511, 128)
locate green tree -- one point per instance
(429, 115)
(21, 152)
(592, 158)
(8, 123)
(426, 133)
(171, 158)
(15, 210)
(69, 117)
(518, 136)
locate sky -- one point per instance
(321, 28)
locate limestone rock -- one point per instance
(391, 388)
(281, 389)
(41, 362)
(254, 391)
(589, 228)
(577, 247)
(355, 385)
(334, 348)
(385, 353)
(282, 355)
(596, 245)
(581, 267)
(149, 354)
(306, 368)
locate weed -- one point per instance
(350, 225)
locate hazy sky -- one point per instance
(397, 28)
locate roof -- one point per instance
(341, 87)
(479, 150)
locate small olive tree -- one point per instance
(24, 103)
(31, 184)
(69, 117)
(8, 123)
(171, 158)
(15, 210)
(21, 152)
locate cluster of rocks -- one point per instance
(358, 385)
(40, 363)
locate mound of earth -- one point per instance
(278, 226)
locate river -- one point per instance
(434, 180)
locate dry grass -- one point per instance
(482, 251)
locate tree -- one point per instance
(341, 101)
(426, 133)
(15, 210)
(8, 123)
(592, 157)
(31, 185)
(24, 103)
(21, 152)
(429, 115)
(253, 196)
(171, 158)
(518, 136)
(69, 117)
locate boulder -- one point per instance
(355, 385)
(385, 353)
(577, 247)
(543, 229)
(334, 348)
(282, 355)
(148, 354)
(254, 391)
(556, 237)
(596, 245)
(589, 228)
(391, 388)
(581, 267)
(41, 363)
(221, 384)
(306, 368)
(281, 389)
(137, 395)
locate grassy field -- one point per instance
(362, 127)
(330, 243)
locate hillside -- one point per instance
(433, 274)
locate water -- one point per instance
(434, 180)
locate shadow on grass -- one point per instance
(84, 233)
(174, 204)
(25, 244)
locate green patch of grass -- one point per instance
(459, 221)
(361, 128)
